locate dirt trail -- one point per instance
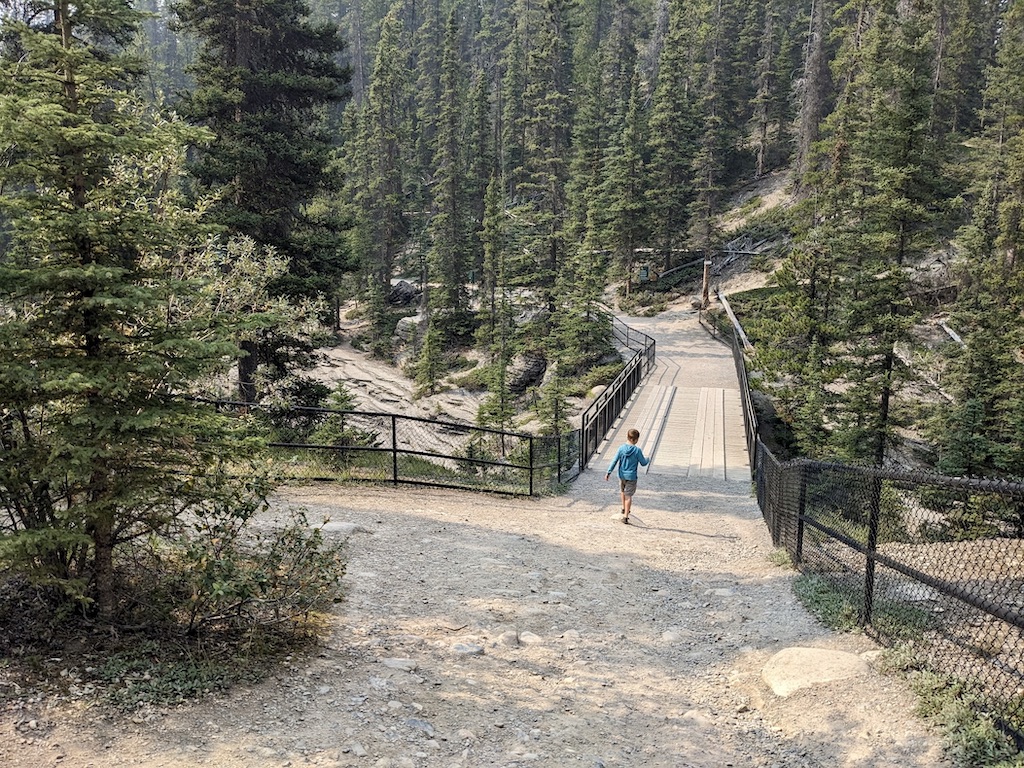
(483, 631)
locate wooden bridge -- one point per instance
(688, 409)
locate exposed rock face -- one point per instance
(403, 293)
(407, 328)
(525, 370)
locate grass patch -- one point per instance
(962, 714)
(780, 557)
(832, 607)
(959, 711)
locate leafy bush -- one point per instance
(243, 578)
(210, 600)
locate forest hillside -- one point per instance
(475, 174)
(511, 159)
(199, 199)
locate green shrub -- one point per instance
(242, 578)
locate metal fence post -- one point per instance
(531, 465)
(801, 506)
(874, 514)
(394, 449)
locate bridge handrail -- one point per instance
(600, 415)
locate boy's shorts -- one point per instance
(628, 487)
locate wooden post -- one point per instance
(706, 290)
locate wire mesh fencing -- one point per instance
(931, 563)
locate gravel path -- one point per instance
(493, 631)
(490, 631)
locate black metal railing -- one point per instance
(331, 444)
(339, 445)
(932, 563)
(600, 415)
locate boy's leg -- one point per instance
(628, 489)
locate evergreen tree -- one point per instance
(493, 277)
(813, 89)
(377, 183)
(430, 365)
(872, 213)
(619, 206)
(428, 48)
(264, 74)
(674, 131)
(450, 225)
(980, 433)
(546, 131)
(495, 329)
(167, 52)
(772, 109)
(102, 330)
(893, 165)
(964, 32)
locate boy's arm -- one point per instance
(644, 460)
(611, 466)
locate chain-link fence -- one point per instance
(924, 560)
(328, 444)
(930, 563)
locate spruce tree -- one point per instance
(377, 180)
(674, 131)
(264, 76)
(450, 226)
(105, 327)
(980, 432)
(619, 214)
(546, 132)
(893, 167)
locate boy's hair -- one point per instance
(633, 435)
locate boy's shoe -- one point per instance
(625, 519)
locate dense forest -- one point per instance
(512, 158)
(189, 190)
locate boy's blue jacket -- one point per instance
(628, 457)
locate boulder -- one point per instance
(403, 293)
(526, 370)
(407, 329)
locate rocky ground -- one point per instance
(492, 631)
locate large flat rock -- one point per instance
(794, 668)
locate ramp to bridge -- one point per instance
(688, 409)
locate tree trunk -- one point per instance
(247, 365)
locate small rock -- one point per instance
(405, 665)
(422, 725)
(468, 649)
(508, 638)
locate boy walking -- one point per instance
(628, 458)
